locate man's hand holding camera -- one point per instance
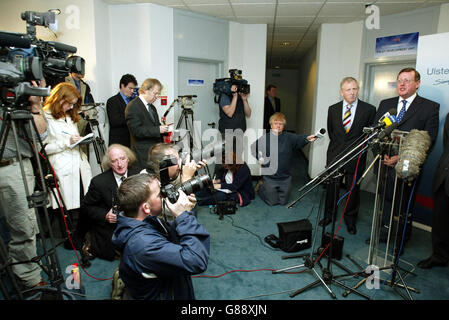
(184, 203)
(190, 167)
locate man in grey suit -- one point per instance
(143, 121)
(345, 122)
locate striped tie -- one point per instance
(347, 118)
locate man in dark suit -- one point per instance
(345, 122)
(413, 112)
(272, 104)
(115, 107)
(440, 218)
(143, 120)
(100, 199)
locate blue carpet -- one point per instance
(241, 263)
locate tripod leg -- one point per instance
(350, 289)
(325, 285)
(346, 293)
(309, 286)
(289, 268)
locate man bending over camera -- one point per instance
(157, 258)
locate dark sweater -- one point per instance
(280, 163)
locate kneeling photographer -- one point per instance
(158, 258)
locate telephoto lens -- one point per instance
(189, 187)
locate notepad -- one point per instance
(82, 140)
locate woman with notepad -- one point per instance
(69, 162)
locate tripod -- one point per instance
(327, 277)
(97, 141)
(13, 119)
(187, 120)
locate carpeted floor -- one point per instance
(241, 263)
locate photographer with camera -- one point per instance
(164, 156)
(20, 218)
(234, 108)
(69, 162)
(157, 258)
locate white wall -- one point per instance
(443, 21)
(338, 55)
(247, 52)
(306, 96)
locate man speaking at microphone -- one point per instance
(413, 112)
(345, 122)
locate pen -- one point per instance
(66, 133)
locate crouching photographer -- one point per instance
(158, 258)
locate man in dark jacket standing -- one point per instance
(345, 122)
(115, 106)
(157, 258)
(143, 120)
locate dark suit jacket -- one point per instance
(340, 140)
(143, 128)
(268, 111)
(118, 130)
(423, 114)
(97, 202)
(442, 170)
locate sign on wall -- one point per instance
(433, 65)
(398, 45)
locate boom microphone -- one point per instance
(412, 154)
(62, 46)
(17, 40)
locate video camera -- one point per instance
(24, 58)
(168, 190)
(224, 85)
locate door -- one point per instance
(196, 77)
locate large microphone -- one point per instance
(17, 40)
(62, 46)
(412, 154)
(387, 119)
(387, 131)
(320, 133)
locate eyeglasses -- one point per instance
(404, 81)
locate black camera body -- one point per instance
(24, 58)
(224, 85)
(170, 191)
(193, 185)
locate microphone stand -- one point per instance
(331, 176)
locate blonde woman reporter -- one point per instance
(70, 163)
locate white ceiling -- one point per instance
(292, 24)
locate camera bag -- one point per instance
(226, 207)
(293, 236)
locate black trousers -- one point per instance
(440, 225)
(333, 194)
